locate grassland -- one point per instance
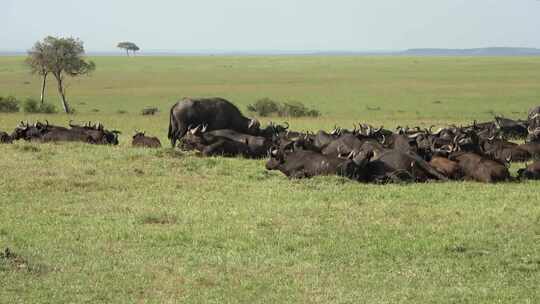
(93, 224)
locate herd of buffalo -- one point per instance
(214, 126)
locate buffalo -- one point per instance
(306, 164)
(481, 169)
(98, 133)
(216, 113)
(218, 140)
(532, 171)
(504, 150)
(446, 167)
(142, 141)
(5, 138)
(27, 131)
(57, 135)
(395, 166)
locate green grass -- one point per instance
(95, 224)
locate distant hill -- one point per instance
(490, 51)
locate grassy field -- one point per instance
(94, 224)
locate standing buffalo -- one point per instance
(143, 141)
(216, 113)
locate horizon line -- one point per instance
(149, 52)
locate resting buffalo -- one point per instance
(98, 133)
(531, 172)
(255, 146)
(306, 164)
(446, 167)
(478, 168)
(511, 128)
(396, 166)
(346, 143)
(27, 131)
(65, 135)
(141, 140)
(532, 148)
(502, 150)
(216, 113)
(5, 138)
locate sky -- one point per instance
(287, 25)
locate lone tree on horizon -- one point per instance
(128, 46)
(60, 57)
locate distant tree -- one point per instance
(37, 59)
(128, 46)
(63, 57)
(134, 48)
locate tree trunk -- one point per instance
(127, 52)
(43, 88)
(62, 93)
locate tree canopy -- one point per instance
(128, 46)
(38, 60)
(60, 57)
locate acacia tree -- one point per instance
(37, 59)
(63, 57)
(128, 46)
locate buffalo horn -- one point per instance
(286, 124)
(415, 135)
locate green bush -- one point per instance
(9, 104)
(48, 108)
(266, 107)
(33, 106)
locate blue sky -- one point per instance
(289, 25)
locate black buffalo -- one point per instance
(216, 113)
(58, 135)
(5, 138)
(227, 142)
(306, 164)
(532, 171)
(481, 169)
(27, 131)
(394, 166)
(97, 132)
(141, 140)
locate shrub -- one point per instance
(33, 106)
(149, 111)
(266, 107)
(296, 109)
(49, 108)
(121, 112)
(9, 104)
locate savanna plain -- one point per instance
(115, 224)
